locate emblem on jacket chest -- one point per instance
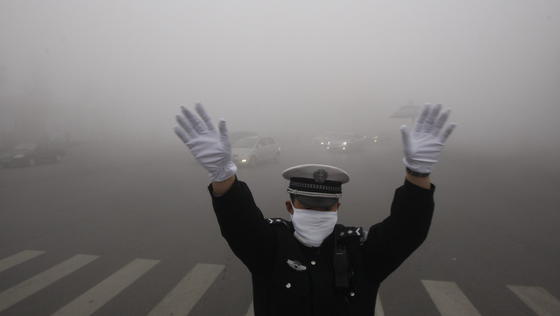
(296, 265)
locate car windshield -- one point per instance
(248, 142)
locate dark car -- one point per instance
(29, 154)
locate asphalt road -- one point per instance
(140, 217)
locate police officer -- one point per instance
(312, 265)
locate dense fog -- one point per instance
(121, 69)
(92, 169)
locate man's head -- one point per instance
(314, 192)
(314, 187)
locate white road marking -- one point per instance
(99, 295)
(30, 286)
(250, 311)
(18, 258)
(181, 299)
(538, 299)
(449, 299)
(447, 296)
(378, 307)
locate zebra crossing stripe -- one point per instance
(181, 299)
(30, 286)
(18, 258)
(449, 299)
(99, 295)
(538, 299)
(378, 307)
(250, 311)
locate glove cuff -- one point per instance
(223, 173)
(417, 168)
(417, 174)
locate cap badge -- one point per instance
(320, 176)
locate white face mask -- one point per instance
(312, 227)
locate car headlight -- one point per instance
(344, 143)
(322, 143)
(243, 160)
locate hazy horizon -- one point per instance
(121, 68)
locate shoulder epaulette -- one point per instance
(278, 221)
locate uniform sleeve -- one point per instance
(243, 226)
(390, 242)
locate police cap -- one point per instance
(316, 180)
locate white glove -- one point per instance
(424, 144)
(211, 148)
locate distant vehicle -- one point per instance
(237, 135)
(344, 142)
(252, 150)
(30, 154)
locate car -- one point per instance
(30, 154)
(237, 135)
(22, 155)
(344, 142)
(252, 150)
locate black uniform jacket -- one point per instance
(292, 279)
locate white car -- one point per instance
(250, 151)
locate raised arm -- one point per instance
(241, 222)
(390, 242)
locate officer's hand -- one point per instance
(423, 145)
(210, 147)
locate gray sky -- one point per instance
(125, 66)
